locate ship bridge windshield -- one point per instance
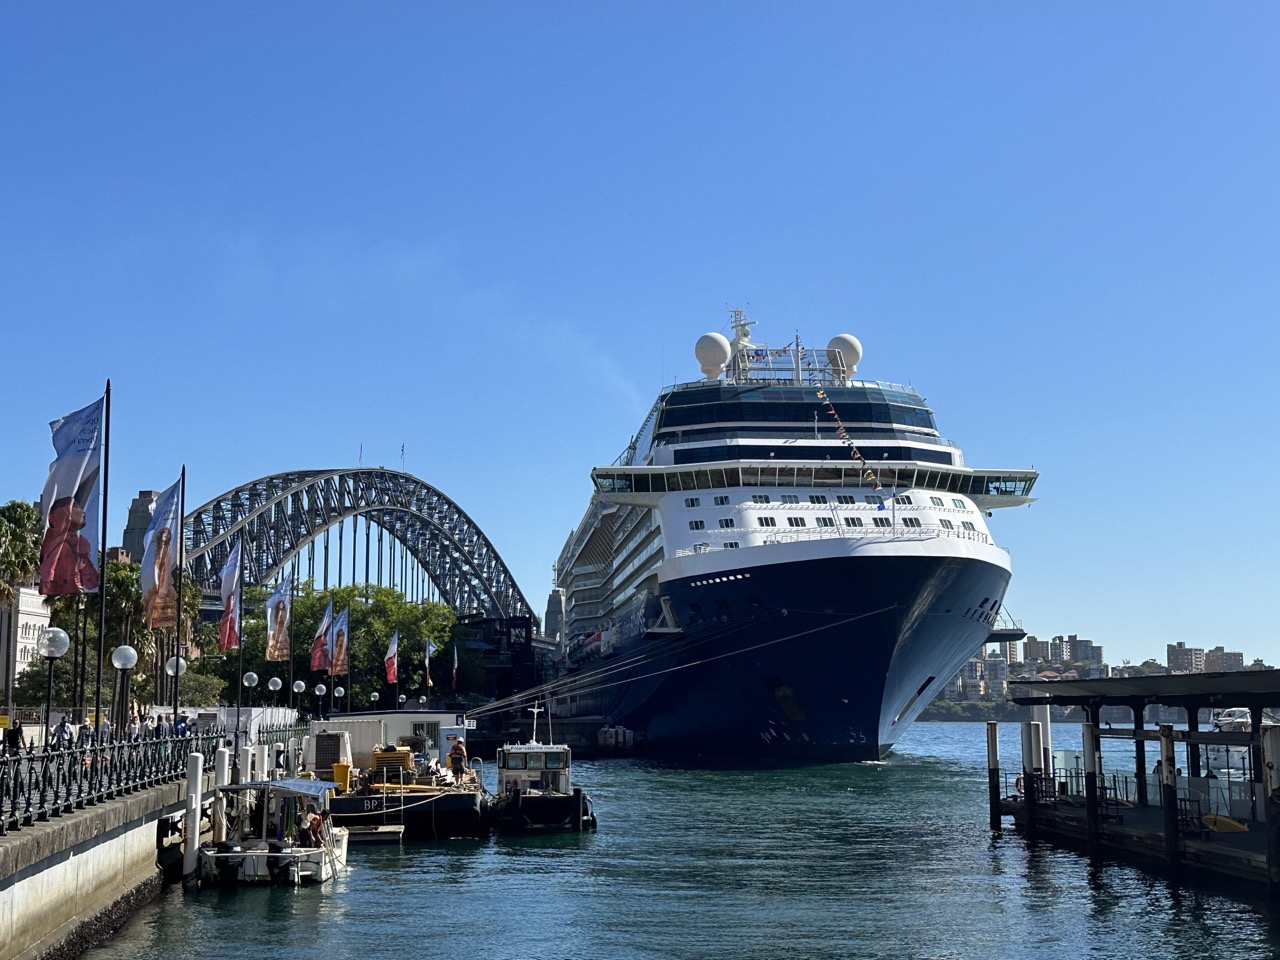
(988, 488)
(864, 403)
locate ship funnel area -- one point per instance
(844, 353)
(712, 351)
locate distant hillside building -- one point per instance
(1219, 660)
(1033, 649)
(1079, 650)
(1184, 659)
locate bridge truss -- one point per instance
(281, 516)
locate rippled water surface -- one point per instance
(851, 861)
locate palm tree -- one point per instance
(21, 529)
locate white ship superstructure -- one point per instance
(767, 494)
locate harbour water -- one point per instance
(851, 861)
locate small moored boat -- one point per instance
(536, 791)
(278, 832)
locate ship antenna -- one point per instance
(535, 710)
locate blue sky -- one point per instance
(491, 231)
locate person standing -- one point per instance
(14, 737)
(63, 735)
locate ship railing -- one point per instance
(879, 534)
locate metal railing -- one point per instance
(37, 784)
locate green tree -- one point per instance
(376, 613)
(21, 528)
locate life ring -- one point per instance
(1017, 784)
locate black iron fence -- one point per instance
(40, 783)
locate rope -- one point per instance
(574, 684)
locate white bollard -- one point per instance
(277, 760)
(221, 777)
(191, 828)
(246, 764)
(291, 759)
(1040, 715)
(260, 768)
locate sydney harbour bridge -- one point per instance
(414, 538)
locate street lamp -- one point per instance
(422, 701)
(299, 688)
(52, 644)
(338, 693)
(250, 681)
(175, 667)
(274, 685)
(373, 699)
(124, 659)
(319, 690)
(403, 698)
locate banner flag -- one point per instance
(390, 658)
(229, 625)
(338, 638)
(320, 659)
(455, 666)
(159, 595)
(69, 558)
(431, 648)
(278, 611)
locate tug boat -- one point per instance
(535, 789)
(277, 833)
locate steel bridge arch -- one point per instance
(281, 515)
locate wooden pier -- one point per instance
(1159, 818)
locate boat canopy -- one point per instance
(312, 789)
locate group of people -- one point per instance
(65, 735)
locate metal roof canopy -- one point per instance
(1244, 688)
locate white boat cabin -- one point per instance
(534, 767)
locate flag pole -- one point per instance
(239, 641)
(182, 566)
(102, 552)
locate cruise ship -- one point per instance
(786, 561)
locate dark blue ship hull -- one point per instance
(812, 660)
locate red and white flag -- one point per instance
(229, 625)
(390, 658)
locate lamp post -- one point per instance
(250, 681)
(299, 688)
(124, 659)
(52, 644)
(373, 699)
(319, 690)
(403, 698)
(175, 667)
(422, 701)
(338, 693)
(274, 686)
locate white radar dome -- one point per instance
(712, 351)
(844, 353)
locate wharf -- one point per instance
(1205, 824)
